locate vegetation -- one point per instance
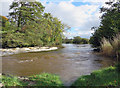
(111, 47)
(67, 41)
(107, 77)
(43, 79)
(76, 40)
(107, 35)
(110, 24)
(28, 25)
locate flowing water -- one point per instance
(69, 63)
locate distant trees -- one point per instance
(67, 41)
(28, 25)
(77, 40)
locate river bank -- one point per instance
(69, 63)
(5, 52)
(43, 79)
(107, 77)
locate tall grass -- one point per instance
(111, 47)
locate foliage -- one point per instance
(3, 20)
(105, 77)
(43, 79)
(29, 26)
(118, 66)
(76, 40)
(79, 40)
(67, 41)
(110, 23)
(84, 41)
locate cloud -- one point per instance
(74, 16)
(4, 5)
(82, 17)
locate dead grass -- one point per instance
(111, 47)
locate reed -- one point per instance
(111, 47)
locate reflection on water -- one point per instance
(70, 62)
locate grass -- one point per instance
(105, 77)
(111, 47)
(43, 79)
(107, 48)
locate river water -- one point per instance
(69, 63)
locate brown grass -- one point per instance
(107, 48)
(111, 47)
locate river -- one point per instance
(69, 63)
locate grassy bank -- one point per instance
(44, 79)
(105, 77)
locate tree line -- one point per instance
(28, 25)
(106, 36)
(76, 40)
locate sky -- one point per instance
(80, 15)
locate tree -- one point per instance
(25, 10)
(110, 23)
(84, 41)
(77, 40)
(30, 26)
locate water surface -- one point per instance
(70, 62)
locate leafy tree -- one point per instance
(110, 23)
(24, 11)
(29, 26)
(77, 40)
(84, 41)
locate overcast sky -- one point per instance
(80, 15)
